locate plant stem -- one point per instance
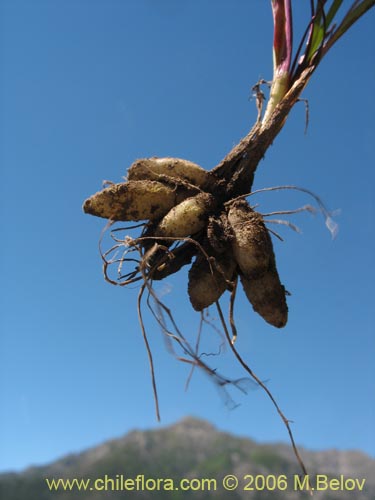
(279, 88)
(282, 53)
(236, 170)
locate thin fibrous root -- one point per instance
(287, 223)
(190, 354)
(330, 223)
(264, 387)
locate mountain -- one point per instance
(193, 449)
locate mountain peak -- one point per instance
(193, 424)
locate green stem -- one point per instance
(279, 88)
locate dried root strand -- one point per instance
(264, 387)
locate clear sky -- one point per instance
(86, 88)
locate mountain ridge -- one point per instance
(190, 448)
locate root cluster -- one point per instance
(188, 217)
(192, 216)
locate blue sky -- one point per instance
(88, 87)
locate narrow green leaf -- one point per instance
(317, 39)
(351, 17)
(322, 23)
(332, 11)
(319, 29)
